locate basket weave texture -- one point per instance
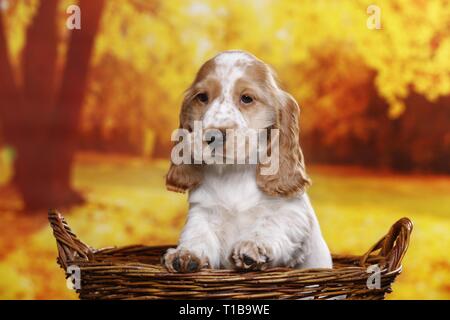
(135, 272)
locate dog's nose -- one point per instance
(216, 135)
(220, 121)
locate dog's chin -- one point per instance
(220, 159)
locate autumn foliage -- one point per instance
(360, 89)
(374, 98)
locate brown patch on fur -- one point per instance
(183, 177)
(255, 83)
(259, 71)
(205, 70)
(291, 178)
(191, 109)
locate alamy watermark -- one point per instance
(74, 20)
(374, 20)
(374, 280)
(73, 281)
(230, 146)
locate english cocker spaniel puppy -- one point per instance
(240, 217)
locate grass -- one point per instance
(127, 203)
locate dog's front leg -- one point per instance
(274, 239)
(198, 246)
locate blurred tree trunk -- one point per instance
(38, 121)
(421, 135)
(66, 115)
(39, 65)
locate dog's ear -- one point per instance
(291, 177)
(183, 177)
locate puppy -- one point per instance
(239, 217)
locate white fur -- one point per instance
(229, 207)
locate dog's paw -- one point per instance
(182, 260)
(249, 255)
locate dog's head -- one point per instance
(235, 90)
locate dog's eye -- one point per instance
(202, 97)
(246, 99)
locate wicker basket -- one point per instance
(135, 272)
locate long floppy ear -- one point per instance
(291, 177)
(183, 177)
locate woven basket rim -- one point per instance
(391, 248)
(135, 272)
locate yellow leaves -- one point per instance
(17, 18)
(396, 108)
(6, 164)
(401, 52)
(325, 55)
(171, 39)
(128, 204)
(13, 284)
